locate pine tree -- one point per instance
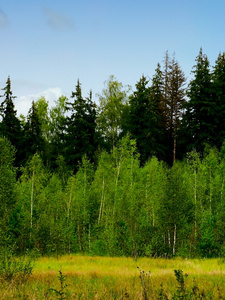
(80, 136)
(143, 120)
(160, 108)
(33, 139)
(218, 88)
(10, 126)
(173, 92)
(198, 124)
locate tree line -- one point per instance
(141, 173)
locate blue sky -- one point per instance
(47, 45)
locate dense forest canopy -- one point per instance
(141, 173)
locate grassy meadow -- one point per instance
(84, 277)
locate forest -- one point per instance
(136, 173)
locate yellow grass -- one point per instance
(123, 266)
(116, 278)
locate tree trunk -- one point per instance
(102, 201)
(32, 201)
(174, 239)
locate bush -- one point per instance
(15, 269)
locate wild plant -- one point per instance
(144, 276)
(61, 293)
(181, 292)
(162, 293)
(15, 268)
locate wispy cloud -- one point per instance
(23, 103)
(3, 19)
(57, 20)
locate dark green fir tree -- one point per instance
(10, 126)
(33, 139)
(79, 133)
(198, 124)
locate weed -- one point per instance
(181, 290)
(162, 294)
(15, 269)
(60, 293)
(143, 276)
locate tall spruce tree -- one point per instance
(174, 98)
(157, 97)
(80, 136)
(143, 120)
(10, 126)
(33, 139)
(218, 90)
(198, 124)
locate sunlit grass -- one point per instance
(116, 278)
(123, 266)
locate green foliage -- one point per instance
(80, 137)
(69, 195)
(181, 289)
(10, 126)
(143, 120)
(199, 118)
(61, 293)
(33, 138)
(111, 112)
(7, 187)
(15, 269)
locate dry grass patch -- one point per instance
(117, 278)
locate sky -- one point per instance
(47, 45)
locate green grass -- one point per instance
(118, 278)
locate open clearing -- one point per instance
(85, 277)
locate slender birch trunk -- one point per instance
(102, 201)
(32, 200)
(174, 239)
(195, 197)
(169, 237)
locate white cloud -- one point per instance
(3, 19)
(23, 103)
(58, 21)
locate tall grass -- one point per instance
(119, 278)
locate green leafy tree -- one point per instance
(111, 111)
(154, 190)
(176, 210)
(29, 190)
(57, 117)
(7, 188)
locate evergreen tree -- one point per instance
(33, 139)
(173, 93)
(160, 107)
(10, 126)
(143, 120)
(80, 136)
(218, 89)
(198, 124)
